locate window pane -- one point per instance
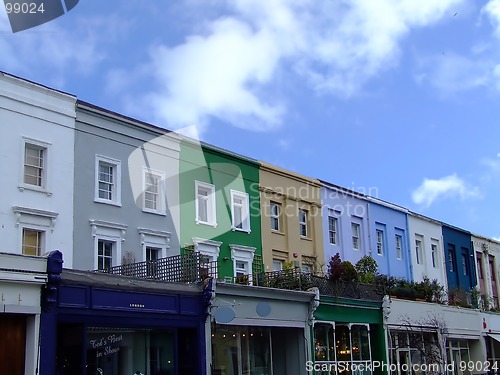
(32, 242)
(202, 209)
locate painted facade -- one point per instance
(37, 140)
(291, 220)
(345, 223)
(349, 333)
(388, 232)
(126, 190)
(220, 214)
(486, 254)
(430, 333)
(259, 330)
(459, 256)
(22, 279)
(426, 249)
(108, 324)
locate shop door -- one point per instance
(12, 344)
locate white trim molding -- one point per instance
(95, 224)
(48, 216)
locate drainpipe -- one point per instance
(409, 265)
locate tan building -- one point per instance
(291, 220)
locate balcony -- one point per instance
(185, 268)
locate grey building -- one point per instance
(126, 197)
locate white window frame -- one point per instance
(211, 203)
(356, 236)
(45, 183)
(245, 211)
(108, 231)
(39, 220)
(277, 264)
(154, 238)
(399, 246)
(419, 244)
(160, 203)
(241, 253)
(380, 241)
(113, 251)
(275, 216)
(335, 220)
(303, 223)
(435, 253)
(116, 193)
(42, 240)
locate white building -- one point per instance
(426, 249)
(21, 280)
(37, 168)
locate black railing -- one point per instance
(185, 268)
(295, 279)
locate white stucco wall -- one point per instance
(36, 114)
(430, 232)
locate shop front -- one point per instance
(348, 337)
(21, 281)
(104, 324)
(261, 331)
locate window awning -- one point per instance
(495, 336)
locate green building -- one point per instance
(349, 336)
(220, 210)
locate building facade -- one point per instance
(220, 215)
(291, 220)
(426, 249)
(388, 232)
(126, 190)
(486, 252)
(37, 142)
(345, 223)
(459, 256)
(98, 323)
(22, 280)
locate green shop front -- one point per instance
(348, 337)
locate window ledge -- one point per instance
(277, 232)
(160, 213)
(198, 222)
(38, 189)
(111, 203)
(234, 229)
(305, 238)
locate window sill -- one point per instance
(277, 232)
(234, 229)
(305, 238)
(159, 213)
(206, 223)
(38, 189)
(111, 203)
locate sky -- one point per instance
(400, 98)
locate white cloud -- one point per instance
(492, 10)
(227, 68)
(451, 73)
(450, 186)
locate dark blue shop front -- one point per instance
(100, 324)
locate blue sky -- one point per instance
(401, 97)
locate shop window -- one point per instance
(458, 353)
(241, 350)
(342, 345)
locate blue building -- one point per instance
(96, 323)
(459, 256)
(388, 232)
(345, 223)
(356, 225)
